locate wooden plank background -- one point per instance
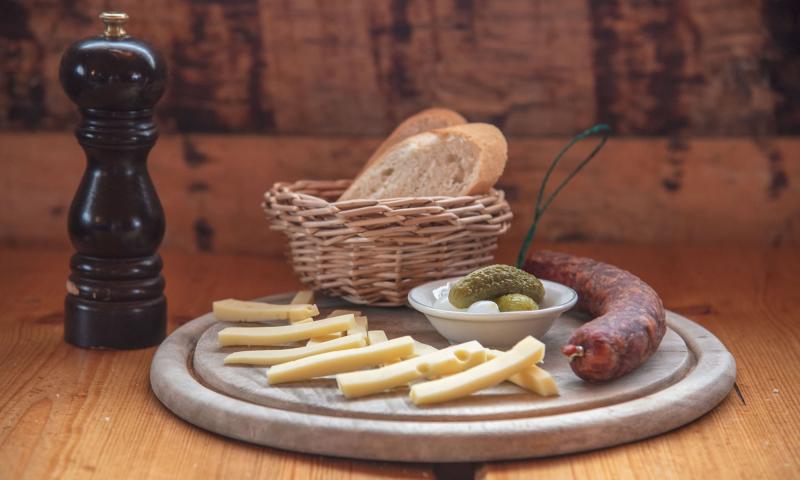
(357, 67)
(705, 191)
(703, 95)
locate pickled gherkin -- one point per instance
(514, 302)
(494, 281)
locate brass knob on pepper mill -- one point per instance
(115, 291)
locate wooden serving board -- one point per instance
(690, 373)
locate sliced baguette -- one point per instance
(460, 160)
(420, 122)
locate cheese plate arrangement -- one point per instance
(413, 346)
(689, 374)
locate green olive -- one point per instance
(514, 302)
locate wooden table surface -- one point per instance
(68, 413)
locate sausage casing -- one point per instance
(629, 316)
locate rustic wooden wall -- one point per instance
(357, 67)
(703, 95)
(638, 190)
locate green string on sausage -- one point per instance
(541, 206)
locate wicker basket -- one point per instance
(374, 251)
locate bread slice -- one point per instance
(419, 122)
(460, 160)
(423, 121)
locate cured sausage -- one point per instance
(629, 318)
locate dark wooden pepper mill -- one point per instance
(115, 292)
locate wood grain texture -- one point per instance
(360, 67)
(737, 295)
(55, 399)
(702, 191)
(71, 413)
(502, 422)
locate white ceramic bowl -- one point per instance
(499, 330)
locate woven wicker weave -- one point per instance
(374, 251)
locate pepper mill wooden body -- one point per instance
(115, 291)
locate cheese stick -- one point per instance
(533, 378)
(447, 361)
(423, 348)
(536, 380)
(331, 336)
(485, 375)
(376, 336)
(361, 326)
(231, 310)
(303, 296)
(379, 336)
(323, 338)
(274, 357)
(419, 347)
(284, 333)
(339, 362)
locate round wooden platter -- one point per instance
(690, 373)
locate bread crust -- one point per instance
(493, 153)
(489, 162)
(423, 121)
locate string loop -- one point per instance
(541, 206)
